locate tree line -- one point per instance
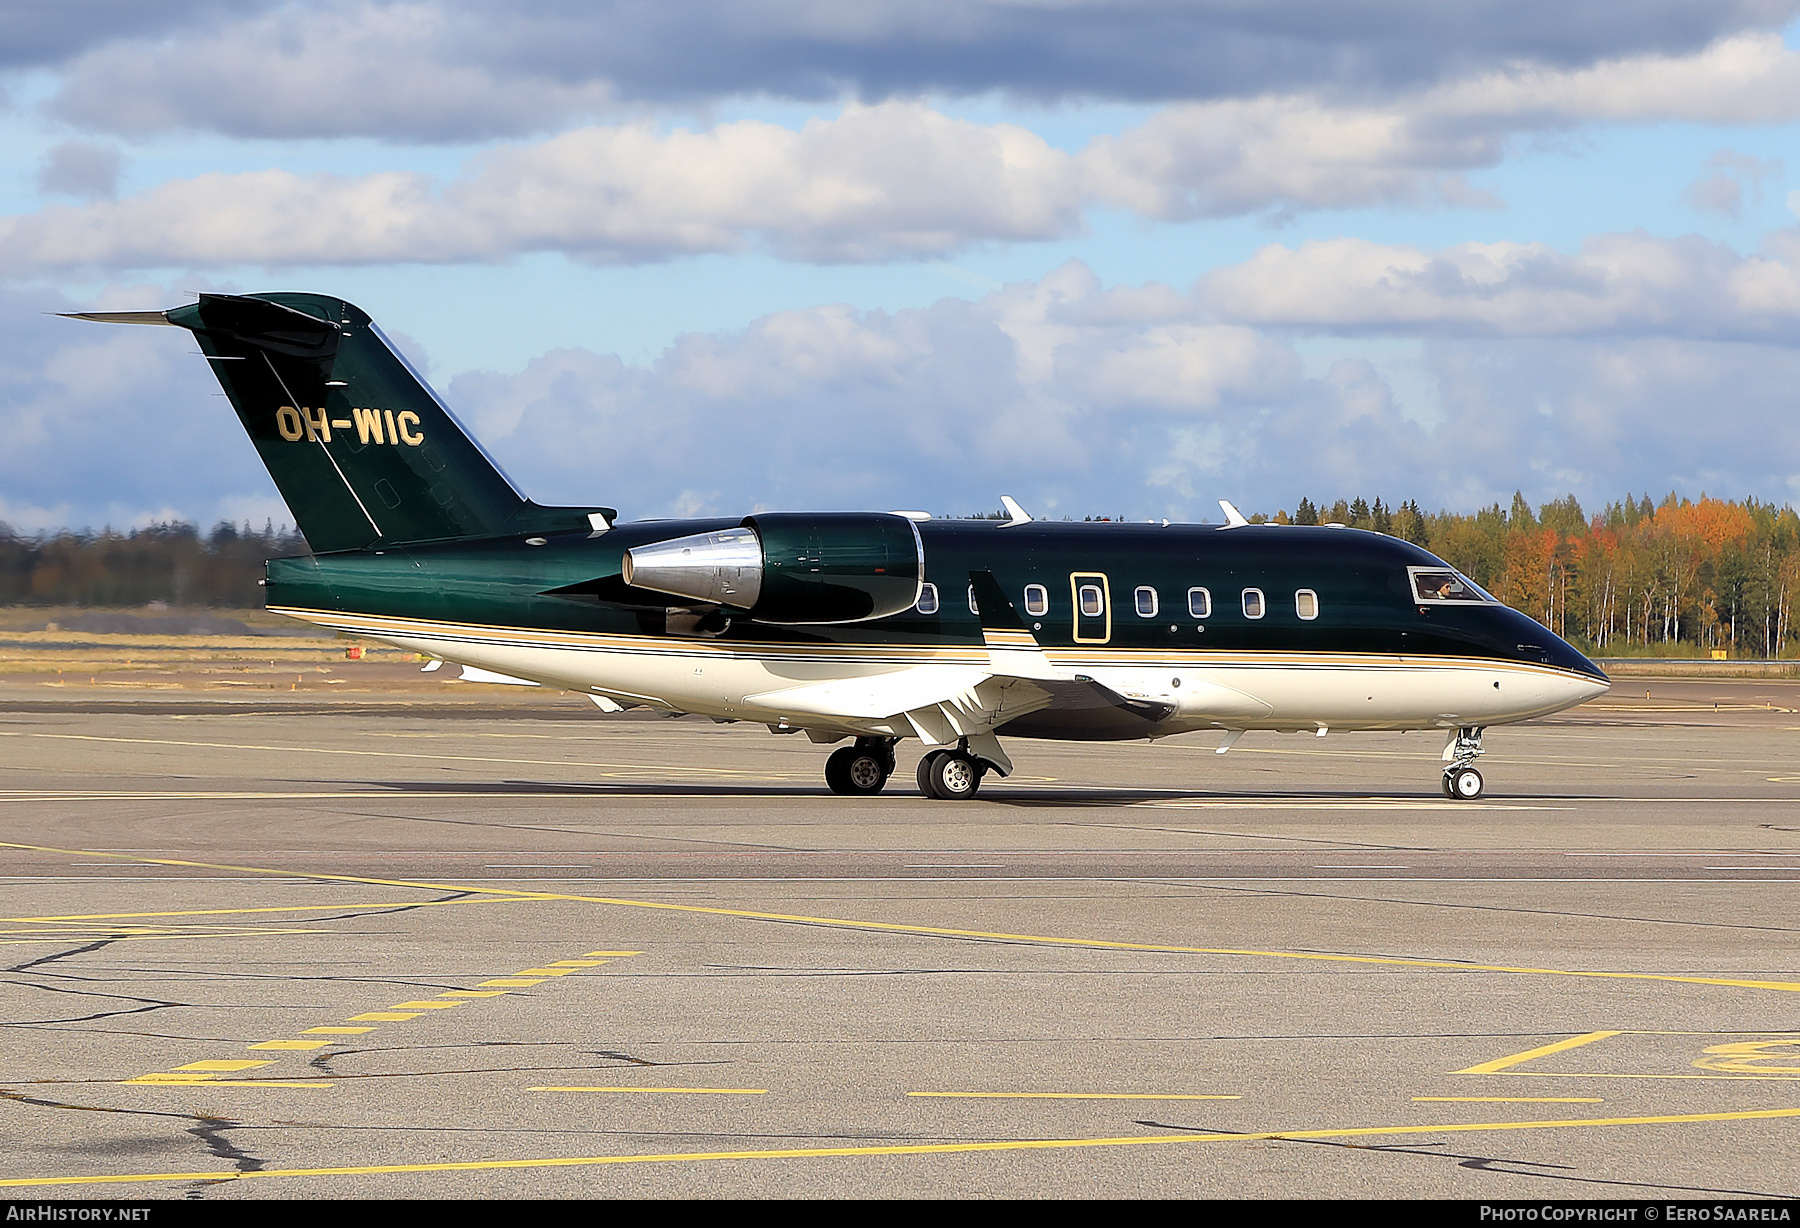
(1677, 576)
(168, 563)
(1671, 577)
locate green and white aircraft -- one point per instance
(867, 626)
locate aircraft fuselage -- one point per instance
(1370, 656)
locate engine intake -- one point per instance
(792, 567)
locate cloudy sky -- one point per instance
(1110, 258)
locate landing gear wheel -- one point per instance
(923, 774)
(856, 770)
(955, 777)
(1463, 784)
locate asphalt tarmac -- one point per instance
(362, 948)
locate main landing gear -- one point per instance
(1461, 781)
(861, 769)
(950, 775)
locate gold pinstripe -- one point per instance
(973, 654)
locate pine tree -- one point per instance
(1359, 513)
(1380, 519)
(1409, 523)
(1305, 512)
(1520, 517)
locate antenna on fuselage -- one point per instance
(1234, 519)
(1014, 513)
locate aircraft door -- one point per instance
(1093, 607)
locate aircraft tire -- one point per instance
(1465, 784)
(855, 771)
(955, 777)
(923, 774)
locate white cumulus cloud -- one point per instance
(1075, 397)
(1619, 284)
(460, 70)
(900, 179)
(897, 180)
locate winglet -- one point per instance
(1014, 513)
(1234, 519)
(992, 607)
(1013, 651)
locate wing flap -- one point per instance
(876, 696)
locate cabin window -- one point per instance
(1253, 603)
(1146, 601)
(1092, 604)
(1199, 603)
(1441, 584)
(1037, 600)
(1306, 604)
(928, 603)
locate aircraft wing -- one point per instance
(877, 696)
(942, 703)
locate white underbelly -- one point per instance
(1246, 691)
(1350, 693)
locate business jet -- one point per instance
(863, 628)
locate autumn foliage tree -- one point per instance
(1679, 576)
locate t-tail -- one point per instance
(361, 449)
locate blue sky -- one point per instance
(931, 254)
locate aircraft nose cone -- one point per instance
(1577, 687)
(1590, 688)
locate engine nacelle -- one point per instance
(792, 567)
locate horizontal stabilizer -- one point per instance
(120, 317)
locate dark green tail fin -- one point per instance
(361, 449)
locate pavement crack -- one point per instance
(626, 1057)
(28, 969)
(1506, 909)
(145, 1005)
(57, 955)
(1475, 1163)
(397, 909)
(209, 1130)
(1329, 842)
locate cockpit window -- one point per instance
(1437, 585)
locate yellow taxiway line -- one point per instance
(1508, 1100)
(926, 930)
(1514, 1059)
(1071, 1096)
(683, 1091)
(889, 927)
(901, 1149)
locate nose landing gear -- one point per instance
(1461, 781)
